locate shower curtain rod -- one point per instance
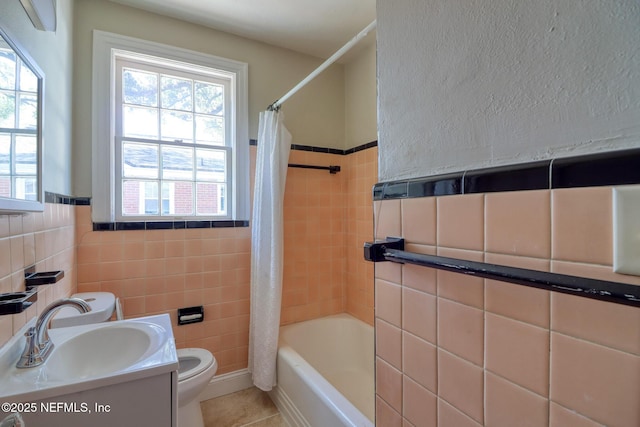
(333, 58)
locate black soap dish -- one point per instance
(43, 278)
(17, 302)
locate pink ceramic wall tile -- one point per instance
(518, 352)
(518, 223)
(598, 382)
(507, 405)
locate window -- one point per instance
(18, 127)
(178, 143)
(172, 140)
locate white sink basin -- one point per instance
(91, 356)
(102, 351)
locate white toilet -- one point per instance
(196, 365)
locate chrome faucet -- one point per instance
(38, 345)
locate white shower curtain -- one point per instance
(267, 242)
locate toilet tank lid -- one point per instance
(102, 307)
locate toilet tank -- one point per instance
(103, 305)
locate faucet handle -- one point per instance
(31, 356)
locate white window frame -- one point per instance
(106, 46)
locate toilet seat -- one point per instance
(193, 361)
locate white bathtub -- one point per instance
(325, 373)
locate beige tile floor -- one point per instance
(251, 407)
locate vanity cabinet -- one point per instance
(150, 401)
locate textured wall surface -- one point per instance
(466, 85)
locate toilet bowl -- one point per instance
(196, 368)
(196, 365)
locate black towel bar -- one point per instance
(331, 169)
(392, 249)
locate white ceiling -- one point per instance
(314, 27)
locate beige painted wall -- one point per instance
(337, 109)
(467, 85)
(315, 115)
(361, 121)
(52, 51)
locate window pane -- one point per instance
(150, 198)
(140, 122)
(176, 93)
(7, 110)
(211, 165)
(28, 112)
(177, 198)
(151, 191)
(7, 67)
(140, 88)
(139, 160)
(176, 126)
(177, 163)
(26, 158)
(28, 80)
(210, 130)
(5, 186)
(139, 197)
(5, 154)
(210, 199)
(26, 188)
(209, 99)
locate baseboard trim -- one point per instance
(226, 384)
(291, 415)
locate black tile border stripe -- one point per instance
(361, 147)
(166, 225)
(612, 168)
(529, 176)
(61, 199)
(620, 167)
(327, 150)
